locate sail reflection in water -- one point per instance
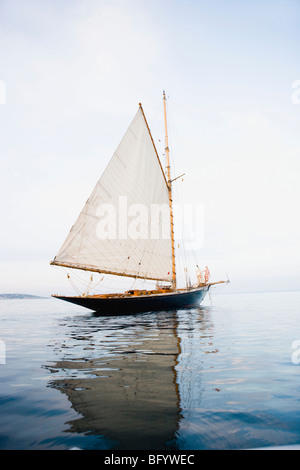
(120, 374)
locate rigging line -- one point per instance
(134, 281)
(188, 235)
(90, 284)
(95, 286)
(141, 108)
(104, 288)
(175, 187)
(154, 242)
(73, 285)
(157, 125)
(171, 131)
(78, 278)
(178, 136)
(85, 284)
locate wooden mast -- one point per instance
(170, 194)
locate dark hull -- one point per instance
(143, 303)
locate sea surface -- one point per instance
(225, 375)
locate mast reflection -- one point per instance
(124, 385)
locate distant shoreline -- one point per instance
(19, 296)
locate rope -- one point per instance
(73, 285)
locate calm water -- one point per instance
(223, 376)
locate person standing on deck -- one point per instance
(206, 275)
(200, 279)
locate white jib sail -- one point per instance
(124, 227)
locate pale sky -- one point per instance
(74, 72)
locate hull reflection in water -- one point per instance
(124, 385)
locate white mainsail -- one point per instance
(124, 227)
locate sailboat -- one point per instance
(103, 240)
